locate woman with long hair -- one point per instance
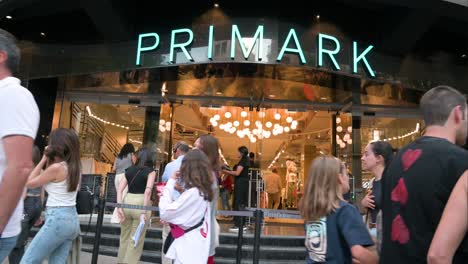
(241, 184)
(60, 179)
(189, 215)
(335, 232)
(122, 162)
(139, 179)
(210, 146)
(376, 157)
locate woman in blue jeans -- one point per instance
(60, 179)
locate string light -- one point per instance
(90, 113)
(135, 141)
(405, 135)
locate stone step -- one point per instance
(155, 257)
(224, 250)
(225, 238)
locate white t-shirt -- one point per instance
(19, 115)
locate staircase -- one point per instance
(273, 249)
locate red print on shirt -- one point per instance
(400, 231)
(203, 232)
(409, 157)
(400, 193)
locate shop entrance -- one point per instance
(278, 138)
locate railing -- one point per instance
(94, 131)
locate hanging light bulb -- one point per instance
(236, 123)
(342, 145)
(217, 117)
(253, 139)
(268, 124)
(162, 121)
(338, 120)
(289, 119)
(261, 114)
(246, 123)
(215, 124)
(350, 129)
(227, 115)
(277, 116)
(350, 141)
(286, 129)
(294, 123)
(244, 114)
(346, 137)
(339, 129)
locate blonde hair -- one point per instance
(322, 190)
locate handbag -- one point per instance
(179, 232)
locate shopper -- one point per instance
(33, 200)
(453, 225)
(210, 146)
(241, 185)
(417, 184)
(225, 190)
(60, 179)
(180, 149)
(273, 187)
(189, 215)
(19, 121)
(139, 179)
(335, 232)
(122, 162)
(376, 157)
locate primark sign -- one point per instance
(327, 47)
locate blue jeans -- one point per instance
(6, 246)
(55, 238)
(224, 193)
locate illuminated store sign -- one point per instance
(358, 53)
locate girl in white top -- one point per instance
(61, 180)
(190, 209)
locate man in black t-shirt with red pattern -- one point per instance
(417, 184)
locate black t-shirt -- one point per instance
(244, 175)
(416, 187)
(138, 185)
(330, 239)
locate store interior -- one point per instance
(287, 140)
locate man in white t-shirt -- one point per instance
(19, 121)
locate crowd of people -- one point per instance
(417, 203)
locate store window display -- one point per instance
(292, 184)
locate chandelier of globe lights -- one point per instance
(342, 142)
(255, 125)
(164, 126)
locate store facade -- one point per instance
(287, 92)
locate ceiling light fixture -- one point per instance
(317, 16)
(43, 34)
(463, 56)
(90, 113)
(9, 17)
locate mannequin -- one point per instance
(291, 184)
